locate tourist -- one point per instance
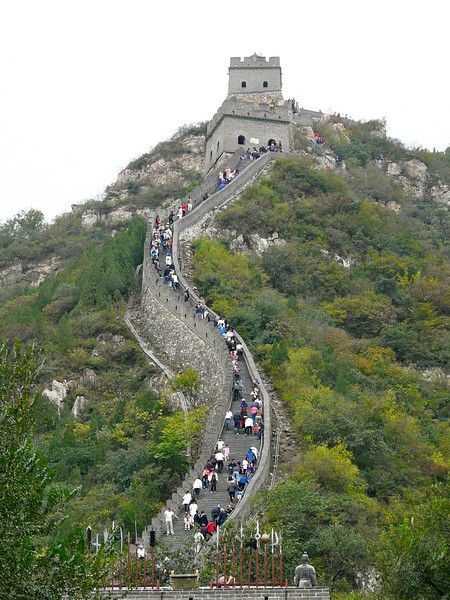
(213, 481)
(197, 486)
(228, 417)
(248, 424)
(199, 540)
(141, 552)
(215, 513)
(205, 478)
(169, 515)
(193, 508)
(231, 489)
(226, 451)
(188, 521)
(237, 420)
(187, 499)
(187, 294)
(220, 458)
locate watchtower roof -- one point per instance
(254, 61)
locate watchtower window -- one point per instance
(218, 143)
(244, 84)
(241, 140)
(210, 155)
(265, 84)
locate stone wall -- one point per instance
(260, 593)
(188, 342)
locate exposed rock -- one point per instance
(89, 379)
(395, 206)
(108, 344)
(94, 216)
(34, 274)
(161, 171)
(416, 169)
(441, 194)
(260, 244)
(11, 274)
(345, 262)
(78, 406)
(177, 401)
(90, 218)
(393, 168)
(57, 392)
(435, 375)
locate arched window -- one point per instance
(244, 84)
(210, 155)
(218, 143)
(241, 140)
(265, 84)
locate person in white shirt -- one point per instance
(248, 424)
(197, 486)
(168, 260)
(193, 508)
(188, 522)
(187, 498)
(220, 458)
(141, 552)
(244, 465)
(220, 444)
(199, 540)
(169, 514)
(228, 418)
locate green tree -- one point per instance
(413, 556)
(29, 566)
(188, 383)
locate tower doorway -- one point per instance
(241, 140)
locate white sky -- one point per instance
(88, 85)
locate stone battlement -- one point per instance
(254, 61)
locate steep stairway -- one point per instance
(238, 444)
(169, 303)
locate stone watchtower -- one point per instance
(253, 113)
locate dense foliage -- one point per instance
(33, 563)
(127, 450)
(344, 316)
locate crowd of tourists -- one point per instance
(257, 152)
(243, 418)
(239, 475)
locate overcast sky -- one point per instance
(88, 85)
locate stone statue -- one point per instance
(305, 574)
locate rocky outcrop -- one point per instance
(163, 170)
(416, 181)
(57, 392)
(98, 216)
(89, 379)
(29, 274)
(79, 406)
(345, 262)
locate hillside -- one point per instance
(334, 269)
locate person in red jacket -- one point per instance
(211, 528)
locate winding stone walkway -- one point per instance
(190, 342)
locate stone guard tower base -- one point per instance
(253, 113)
